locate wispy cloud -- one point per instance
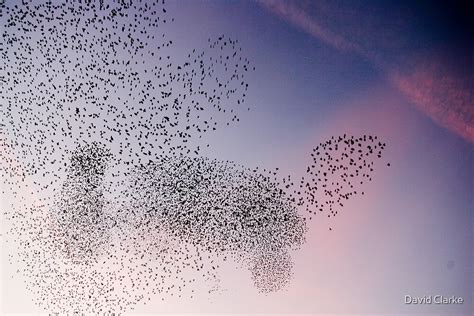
(442, 96)
(382, 39)
(296, 15)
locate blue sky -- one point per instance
(398, 70)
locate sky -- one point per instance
(401, 70)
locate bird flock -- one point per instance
(103, 123)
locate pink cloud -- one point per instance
(296, 15)
(441, 95)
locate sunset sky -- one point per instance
(401, 70)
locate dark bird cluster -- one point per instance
(340, 167)
(82, 71)
(182, 217)
(224, 209)
(178, 219)
(102, 123)
(80, 210)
